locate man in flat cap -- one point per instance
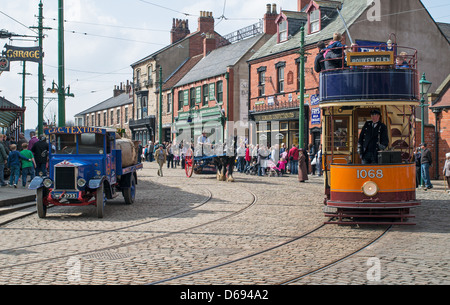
(373, 138)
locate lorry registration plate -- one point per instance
(67, 195)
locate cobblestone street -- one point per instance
(258, 230)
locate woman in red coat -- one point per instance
(302, 168)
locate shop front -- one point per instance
(280, 127)
(190, 125)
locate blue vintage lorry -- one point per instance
(85, 168)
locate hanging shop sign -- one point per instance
(23, 54)
(4, 64)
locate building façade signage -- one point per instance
(379, 58)
(23, 54)
(279, 116)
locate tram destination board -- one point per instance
(370, 58)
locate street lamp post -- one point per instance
(61, 76)
(301, 125)
(424, 88)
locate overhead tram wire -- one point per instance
(111, 37)
(167, 8)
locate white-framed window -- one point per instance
(283, 30)
(314, 21)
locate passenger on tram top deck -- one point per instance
(400, 61)
(334, 53)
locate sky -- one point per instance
(104, 37)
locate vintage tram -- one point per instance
(368, 80)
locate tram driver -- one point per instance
(373, 138)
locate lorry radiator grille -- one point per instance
(65, 178)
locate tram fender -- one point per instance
(36, 183)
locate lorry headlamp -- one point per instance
(81, 182)
(47, 183)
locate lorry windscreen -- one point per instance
(90, 144)
(65, 144)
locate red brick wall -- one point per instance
(443, 141)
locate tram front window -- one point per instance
(341, 134)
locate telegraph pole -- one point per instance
(301, 119)
(24, 74)
(41, 29)
(61, 76)
(160, 106)
(41, 71)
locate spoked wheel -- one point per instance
(100, 201)
(189, 166)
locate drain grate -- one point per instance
(107, 256)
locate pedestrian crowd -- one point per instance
(250, 159)
(20, 159)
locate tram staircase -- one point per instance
(401, 127)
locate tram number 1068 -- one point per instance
(363, 174)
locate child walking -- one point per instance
(446, 171)
(27, 166)
(14, 165)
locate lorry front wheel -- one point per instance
(41, 207)
(100, 201)
(130, 193)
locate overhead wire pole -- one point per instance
(61, 76)
(301, 119)
(41, 29)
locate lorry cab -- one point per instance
(85, 168)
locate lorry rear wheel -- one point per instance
(100, 201)
(41, 207)
(130, 193)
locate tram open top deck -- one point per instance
(350, 88)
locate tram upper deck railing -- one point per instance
(369, 73)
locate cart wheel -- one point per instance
(100, 201)
(41, 207)
(189, 167)
(130, 193)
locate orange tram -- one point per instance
(366, 83)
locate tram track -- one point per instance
(269, 249)
(202, 203)
(143, 240)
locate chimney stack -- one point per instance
(180, 29)
(301, 4)
(271, 15)
(206, 22)
(118, 90)
(209, 44)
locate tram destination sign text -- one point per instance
(370, 58)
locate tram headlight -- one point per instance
(370, 188)
(81, 182)
(47, 183)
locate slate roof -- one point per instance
(351, 10)
(442, 100)
(445, 28)
(120, 100)
(217, 61)
(181, 72)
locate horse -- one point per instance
(225, 163)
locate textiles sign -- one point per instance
(23, 54)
